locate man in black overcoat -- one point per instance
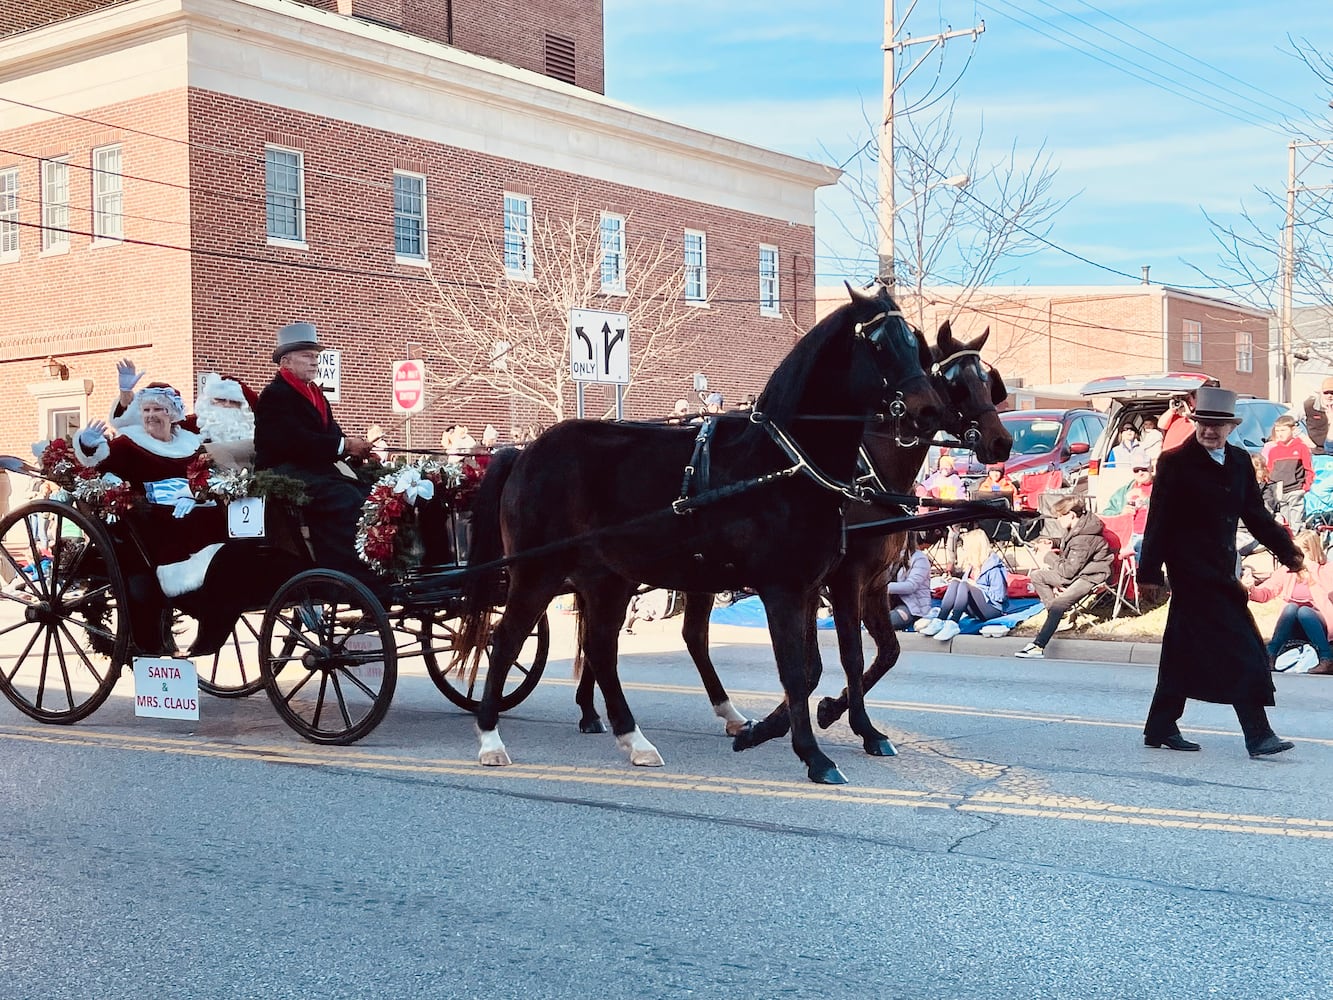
(296, 435)
(1211, 649)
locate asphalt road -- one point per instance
(1023, 844)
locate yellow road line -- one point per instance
(1049, 807)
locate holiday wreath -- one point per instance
(388, 536)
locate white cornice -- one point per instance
(289, 55)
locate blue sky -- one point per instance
(1139, 159)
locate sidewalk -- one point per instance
(1094, 650)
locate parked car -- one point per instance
(1043, 440)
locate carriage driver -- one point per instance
(296, 435)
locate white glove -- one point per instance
(90, 438)
(183, 506)
(126, 375)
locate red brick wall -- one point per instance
(1219, 328)
(514, 31)
(93, 305)
(348, 284)
(21, 15)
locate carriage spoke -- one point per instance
(19, 660)
(319, 700)
(38, 574)
(88, 664)
(46, 659)
(342, 702)
(295, 632)
(64, 668)
(13, 564)
(365, 689)
(296, 688)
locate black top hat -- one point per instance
(296, 337)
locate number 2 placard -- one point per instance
(245, 518)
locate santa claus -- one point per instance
(225, 416)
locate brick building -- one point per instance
(179, 178)
(1049, 341)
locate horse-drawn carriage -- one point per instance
(84, 602)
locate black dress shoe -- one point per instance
(1270, 745)
(1173, 742)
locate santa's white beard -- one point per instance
(221, 423)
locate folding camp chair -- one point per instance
(1119, 533)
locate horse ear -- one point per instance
(980, 342)
(860, 294)
(944, 337)
(923, 351)
(998, 392)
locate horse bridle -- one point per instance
(971, 437)
(872, 330)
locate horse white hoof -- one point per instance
(733, 728)
(646, 758)
(641, 752)
(492, 752)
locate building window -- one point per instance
(696, 266)
(55, 206)
(284, 194)
(63, 422)
(9, 214)
(108, 194)
(768, 281)
(1193, 346)
(409, 217)
(1244, 351)
(613, 254)
(560, 58)
(518, 235)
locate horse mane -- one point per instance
(781, 398)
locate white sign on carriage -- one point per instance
(409, 387)
(165, 688)
(599, 346)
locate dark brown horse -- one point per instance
(857, 586)
(591, 505)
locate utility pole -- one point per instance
(1286, 335)
(887, 205)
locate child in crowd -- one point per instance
(996, 483)
(980, 593)
(1289, 465)
(1308, 610)
(909, 590)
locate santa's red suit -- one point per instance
(180, 549)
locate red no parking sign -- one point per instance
(409, 386)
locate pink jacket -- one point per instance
(1283, 580)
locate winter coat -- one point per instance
(993, 579)
(1211, 648)
(912, 584)
(1084, 553)
(1283, 582)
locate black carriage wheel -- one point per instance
(64, 619)
(327, 656)
(233, 671)
(438, 642)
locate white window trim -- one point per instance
(50, 234)
(7, 256)
(101, 240)
(776, 308)
(702, 301)
(1191, 333)
(526, 273)
(1246, 338)
(424, 259)
(280, 241)
(617, 287)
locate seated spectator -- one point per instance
(909, 590)
(1150, 440)
(1082, 562)
(980, 593)
(1307, 609)
(996, 483)
(944, 483)
(1124, 454)
(1136, 500)
(1289, 466)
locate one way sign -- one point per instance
(598, 346)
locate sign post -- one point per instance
(409, 392)
(599, 352)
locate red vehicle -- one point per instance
(1043, 440)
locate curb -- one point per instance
(1083, 650)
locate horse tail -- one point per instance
(479, 591)
(580, 633)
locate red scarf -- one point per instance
(311, 392)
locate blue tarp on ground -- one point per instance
(750, 611)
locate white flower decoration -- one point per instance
(410, 484)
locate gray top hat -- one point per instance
(1214, 404)
(296, 337)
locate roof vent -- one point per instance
(560, 58)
